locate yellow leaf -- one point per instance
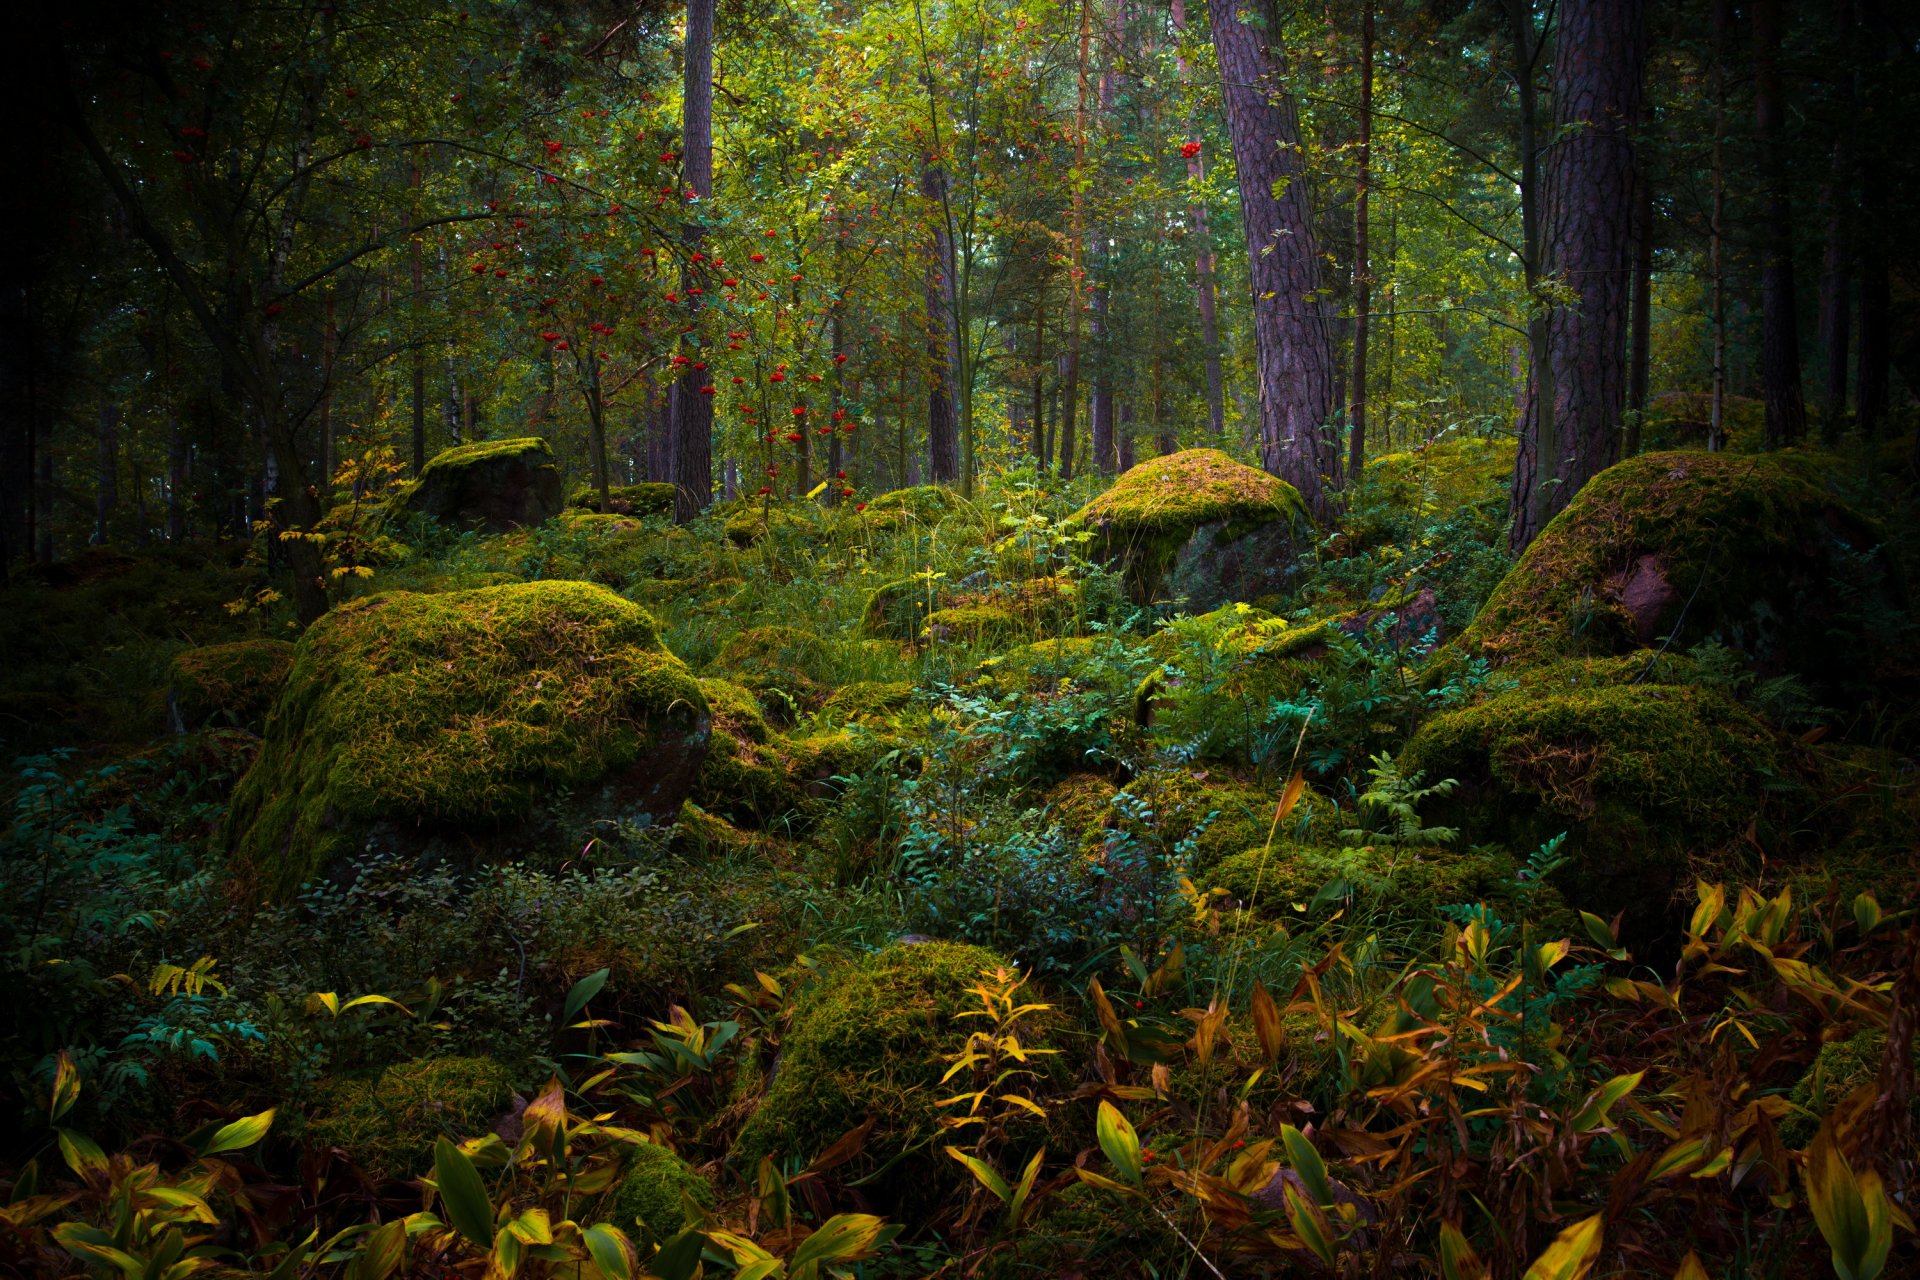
(1572, 1253)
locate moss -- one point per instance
(653, 1189)
(974, 624)
(1220, 815)
(1640, 775)
(819, 759)
(490, 484)
(748, 522)
(1752, 550)
(1196, 525)
(1412, 884)
(460, 711)
(234, 683)
(1840, 1067)
(387, 1124)
(650, 498)
(1445, 475)
(1082, 803)
(866, 1041)
(867, 702)
(744, 778)
(898, 610)
(925, 504)
(778, 660)
(1083, 1230)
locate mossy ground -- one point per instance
(387, 1123)
(460, 710)
(233, 683)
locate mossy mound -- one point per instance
(868, 702)
(776, 661)
(1754, 551)
(1198, 526)
(232, 684)
(867, 1041)
(1082, 803)
(1446, 474)
(653, 1192)
(387, 1124)
(649, 498)
(898, 610)
(924, 504)
(1640, 776)
(974, 624)
(494, 485)
(1219, 815)
(1412, 884)
(461, 712)
(744, 778)
(747, 522)
(1840, 1067)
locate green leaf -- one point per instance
(66, 1088)
(1458, 1261)
(612, 1251)
(243, 1132)
(584, 990)
(1119, 1141)
(1018, 1204)
(985, 1174)
(678, 1258)
(840, 1238)
(1307, 1163)
(464, 1195)
(1593, 1112)
(385, 1249)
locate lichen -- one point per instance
(234, 683)
(651, 1192)
(387, 1123)
(459, 711)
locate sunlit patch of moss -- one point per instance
(649, 498)
(924, 504)
(387, 1124)
(462, 710)
(745, 777)
(868, 702)
(973, 624)
(234, 683)
(779, 660)
(1407, 883)
(1219, 814)
(866, 1041)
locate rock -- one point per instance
(785, 667)
(649, 498)
(1198, 527)
(410, 717)
(1753, 551)
(494, 486)
(232, 684)
(651, 1190)
(1641, 776)
(866, 1042)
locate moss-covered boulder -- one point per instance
(745, 777)
(898, 610)
(411, 717)
(1640, 776)
(1197, 526)
(868, 702)
(387, 1124)
(868, 1041)
(231, 684)
(922, 504)
(1412, 884)
(1215, 816)
(648, 498)
(1755, 551)
(495, 485)
(654, 1190)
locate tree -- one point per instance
(1293, 355)
(1588, 214)
(1779, 322)
(692, 447)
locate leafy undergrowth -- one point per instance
(1013, 927)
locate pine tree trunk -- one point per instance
(1640, 345)
(1586, 230)
(693, 412)
(1779, 325)
(1204, 288)
(1362, 267)
(106, 486)
(1836, 268)
(1293, 356)
(943, 424)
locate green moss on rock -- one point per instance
(1641, 776)
(778, 660)
(868, 702)
(654, 1189)
(649, 498)
(1196, 525)
(1412, 884)
(898, 610)
(925, 504)
(1752, 550)
(387, 1124)
(866, 1041)
(461, 711)
(493, 485)
(974, 624)
(744, 778)
(231, 683)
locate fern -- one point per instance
(1389, 809)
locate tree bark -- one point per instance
(106, 485)
(1362, 268)
(1204, 287)
(1640, 345)
(693, 412)
(416, 278)
(1587, 216)
(1716, 229)
(1836, 268)
(1779, 325)
(1292, 353)
(943, 423)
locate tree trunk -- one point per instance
(416, 277)
(1875, 226)
(1362, 268)
(1100, 395)
(178, 462)
(1779, 331)
(1203, 268)
(1716, 229)
(943, 424)
(1292, 353)
(1640, 345)
(1836, 268)
(693, 412)
(1586, 230)
(329, 347)
(1077, 236)
(106, 486)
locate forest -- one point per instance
(809, 639)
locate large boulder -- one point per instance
(459, 718)
(1199, 528)
(494, 486)
(232, 684)
(1754, 551)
